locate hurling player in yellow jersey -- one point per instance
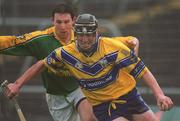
(106, 71)
(64, 99)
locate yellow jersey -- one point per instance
(106, 75)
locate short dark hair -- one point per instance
(64, 8)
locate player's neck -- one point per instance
(63, 39)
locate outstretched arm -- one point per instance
(14, 88)
(163, 102)
(21, 45)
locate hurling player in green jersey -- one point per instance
(63, 95)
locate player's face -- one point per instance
(63, 23)
(86, 41)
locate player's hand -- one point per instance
(12, 90)
(132, 43)
(164, 103)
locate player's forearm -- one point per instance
(6, 41)
(7, 38)
(11, 45)
(152, 83)
(30, 73)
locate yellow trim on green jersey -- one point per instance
(108, 74)
(10, 41)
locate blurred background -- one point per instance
(156, 23)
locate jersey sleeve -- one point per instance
(20, 45)
(53, 61)
(130, 63)
(14, 45)
(125, 40)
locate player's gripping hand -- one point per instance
(12, 90)
(164, 103)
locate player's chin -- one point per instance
(64, 33)
(85, 47)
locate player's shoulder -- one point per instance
(49, 30)
(113, 44)
(121, 38)
(70, 49)
(70, 46)
(46, 32)
(37, 34)
(110, 41)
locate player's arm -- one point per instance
(13, 45)
(20, 45)
(50, 62)
(135, 67)
(17, 45)
(164, 103)
(14, 88)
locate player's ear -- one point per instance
(74, 19)
(52, 20)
